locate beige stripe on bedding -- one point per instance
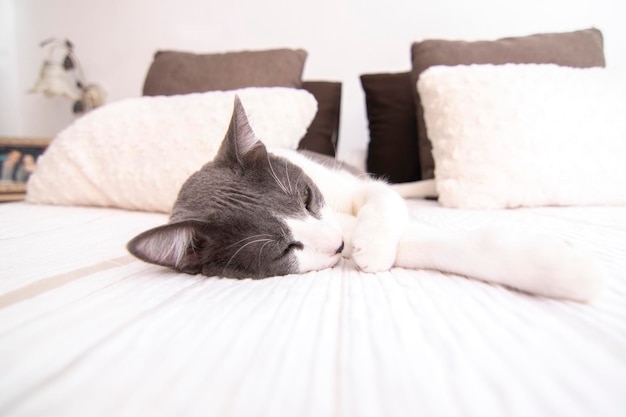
(55, 281)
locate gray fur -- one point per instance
(228, 218)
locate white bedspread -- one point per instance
(87, 330)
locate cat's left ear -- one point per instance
(174, 245)
(241, 146)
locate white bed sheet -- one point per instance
(87, 330)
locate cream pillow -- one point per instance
(521, 135)
(136, 153)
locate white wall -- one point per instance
(8, 70)
(115, 40)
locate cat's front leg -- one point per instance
(381, 219)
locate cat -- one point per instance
(252, 213)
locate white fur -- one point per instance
(378, 235)
(534, 263)
(320, 239)
(381, 215)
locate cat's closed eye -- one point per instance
(291, 247)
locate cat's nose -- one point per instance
(340, 248)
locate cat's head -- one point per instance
(246, 214)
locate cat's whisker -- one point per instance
(240, 249)
(291, 190)
(248, 238)
(298, 181)
(280, 184)
(261, 252)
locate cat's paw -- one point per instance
(373, 258)
(379, 225)
(373, 252)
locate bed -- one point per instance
(87, 329)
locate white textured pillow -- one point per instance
(520, 135)
(136, 153)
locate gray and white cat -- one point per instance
(250, 213)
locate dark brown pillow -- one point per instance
(582, 48)
(323, 133)
(174, 72)
(392, 151)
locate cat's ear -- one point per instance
(241, 146)
(174, 245)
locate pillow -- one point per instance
(392, 150)
(136, 153)
(576, 49)
(174, 72)
(323, 133)
(526, 135)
